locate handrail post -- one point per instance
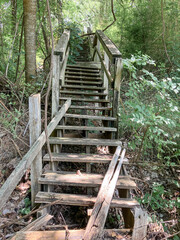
(96, 58)
(55, 84)
(60, 58)
(117, 87)
(105, 84)
(35, 131)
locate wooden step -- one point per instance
(84, 74)
(81, 81)
(69, 69)
(86, 128)
(83, 180)
(90, 108)
(82, 200)
(83, 87)
(86, 65)
(81, 158)
(91, 78)
(90, 117)
(72, 234)
(85, 100)
(84, 141)
(83, 93)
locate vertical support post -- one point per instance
(105, 84)
(117, 87)
(55, 92)
(140, 225)
(55, 84)
(127, 214)
(35, 131)
(96, 58)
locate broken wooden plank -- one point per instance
(38, 223)
(28, 158)
(35, 225)
(95, 226)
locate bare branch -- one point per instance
(114, 16)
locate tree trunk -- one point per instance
(30, 38)
(14, 13)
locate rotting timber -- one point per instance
(83, 114)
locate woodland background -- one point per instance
(148, 35)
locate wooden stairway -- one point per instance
(87, 123)
(87, 162)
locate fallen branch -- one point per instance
(17, 148)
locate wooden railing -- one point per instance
(33, 158)
(60, 58)
(111, 64)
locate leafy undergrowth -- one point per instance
(158, 193)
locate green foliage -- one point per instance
(75, 41)
(159, 199)
(27, 207)
(152, 110)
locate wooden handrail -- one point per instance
(61, 54)
(107, 72)
(111, 55)
(24, 164)
(62, 45)
(108, 46)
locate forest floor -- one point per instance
(163, 220)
